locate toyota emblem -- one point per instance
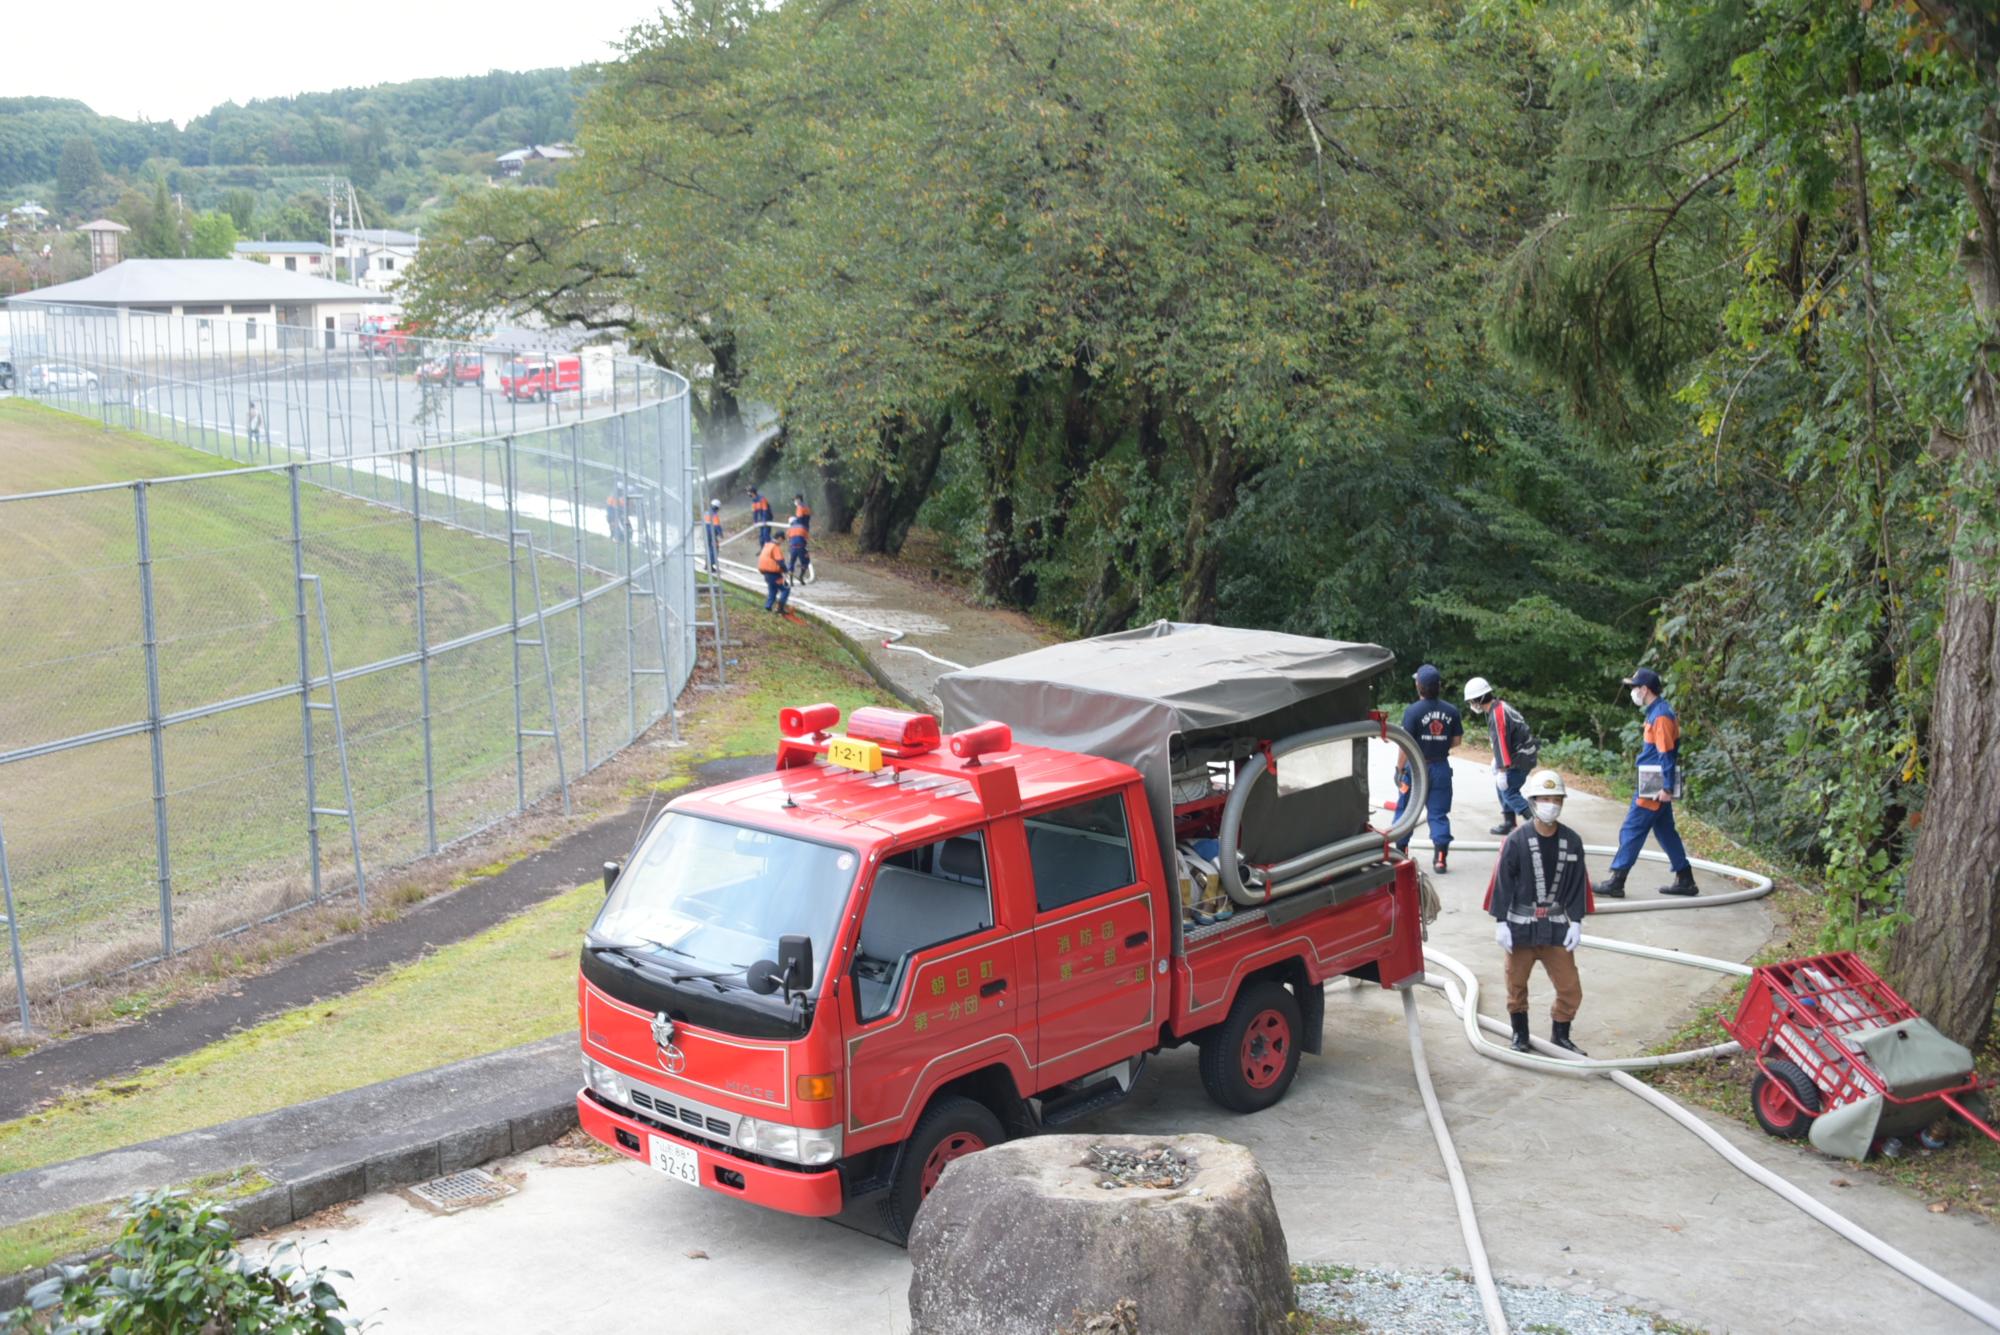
(672, 1059)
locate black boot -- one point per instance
(1520, 1022)
(1612, 886)
(1505, 827)
(1437, 861)
(1682, 884)
(1559, 1035)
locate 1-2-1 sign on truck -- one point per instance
(816, 988)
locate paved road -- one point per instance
(1579, 1184)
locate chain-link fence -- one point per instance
(227, 695)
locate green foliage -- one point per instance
(78, 173)
(212, 236)
(175, 1267)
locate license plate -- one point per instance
(677, 1161)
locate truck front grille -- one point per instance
(659, 1106)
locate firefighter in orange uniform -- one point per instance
(771, 565)
(1652, 810)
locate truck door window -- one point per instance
(922, 897)
(1079, 851)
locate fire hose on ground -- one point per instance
(1460, 987)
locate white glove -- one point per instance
(1504, 935)
(1572, 936)
(1499, 780)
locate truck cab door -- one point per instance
(1095, 940)
(934, 979)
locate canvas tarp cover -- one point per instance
(1124, 696)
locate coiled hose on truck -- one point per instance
(1460, 987)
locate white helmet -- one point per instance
(1544, 783)
(715, 505)
(1477, 687)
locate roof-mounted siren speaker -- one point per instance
(985, 740)
(818, 720)
(897, 732)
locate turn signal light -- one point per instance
(818, 720)
(815, 1088)
(904, 733)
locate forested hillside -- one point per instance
(1533, 341)
(404, 144)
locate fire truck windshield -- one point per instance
(704, 897)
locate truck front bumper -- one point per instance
(795, 1191)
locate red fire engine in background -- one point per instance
(816, 988)
(538, 378)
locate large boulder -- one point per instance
(1160, 1235)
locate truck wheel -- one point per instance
(1775, 1112)
(1248, 1061)
(951, 1128)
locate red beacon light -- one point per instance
(818, 720)
(985, 740)
(895, 731)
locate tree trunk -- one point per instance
(1215, 493)
(890, 504)
(837, 508)
(1946, 959)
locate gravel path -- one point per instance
(1400, 1302)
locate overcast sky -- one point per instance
(174, 59)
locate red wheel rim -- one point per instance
(954, 1146)
(1774, 1103)
(1267, 1046)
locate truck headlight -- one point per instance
(803, 1145)
(605, 1082)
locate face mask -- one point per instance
(1546, 812)
(1638, 697)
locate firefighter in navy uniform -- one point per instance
(1539, 897)
(1515, 750)
(1437, 728)
(760, 515)
(1652, 809)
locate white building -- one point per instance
(511, 164)
(312, 258)
(374, 257)
(230, 308)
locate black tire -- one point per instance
(1774, 1112)
(953, 1118)
(1248, 1061)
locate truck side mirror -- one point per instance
(611, 870)
(795, 961)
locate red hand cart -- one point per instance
(1804, 1022)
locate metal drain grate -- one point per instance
(460, 1191)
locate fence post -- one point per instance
(514, 616)
(14, 935)
(305, 679)
(155, 729)
(423, 655)
(582, 639)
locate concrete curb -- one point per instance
(330, 1151)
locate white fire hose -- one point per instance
(1460, 987)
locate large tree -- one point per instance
(1785, 217)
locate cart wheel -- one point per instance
(1775, 1112)
(951, 1128)
(1248, 1061)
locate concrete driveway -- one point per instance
(1578, 1184)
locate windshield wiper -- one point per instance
(630, 949)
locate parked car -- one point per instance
(6, 375)
(61, 378)
(457, 369)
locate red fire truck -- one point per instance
(815, 988)
(382, 337)
(539, 377)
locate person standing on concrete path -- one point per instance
(1515, 750)
(760, 515)
(1659, 786)
(771, 565)
(1539, 897)
(796, 540)
(712, 526)
(802, 514)
(1437, 727)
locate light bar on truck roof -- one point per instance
(899, 732)
(816, 720)
(985, 740)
